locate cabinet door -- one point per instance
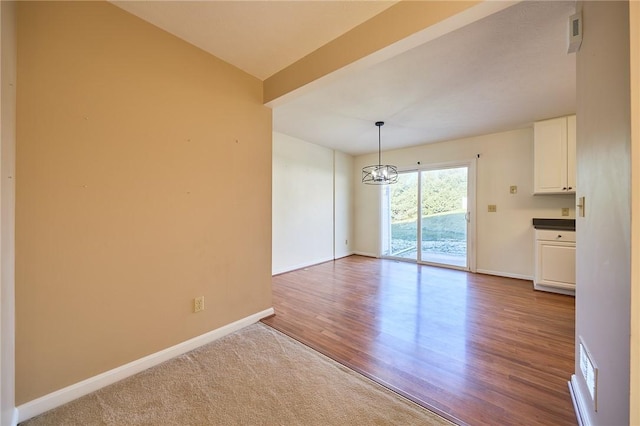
(571, 154)
(550, 156)
(556, 264)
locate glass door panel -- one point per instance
(444, 216)
(400, 218)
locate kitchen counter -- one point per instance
(555, 224)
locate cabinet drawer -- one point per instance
(551, 235)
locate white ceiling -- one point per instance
(499, 73)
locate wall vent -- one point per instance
(589, 373)
(575, 32)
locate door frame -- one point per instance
(385, 220)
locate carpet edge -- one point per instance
(376, 382)
(72, 392)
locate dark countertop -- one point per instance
(555, 224)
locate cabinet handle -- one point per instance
(559, 236)
(564, 189)
(570, 188)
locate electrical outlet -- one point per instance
(565, 212)
(513, 189)
(492, 208)
(346, 242)
(198, 304)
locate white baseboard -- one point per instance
(342, 256)
(300, 266)
(92, 384)
(557, 290)
(14, 420)
(362, 253)
(579, 404)
(505, 274)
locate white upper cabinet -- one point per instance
(571, 154)
(555, 156)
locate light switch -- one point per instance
(580, 206)
(492, 208)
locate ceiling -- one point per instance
(259, 37)
(499, 73)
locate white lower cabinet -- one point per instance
(555, 261)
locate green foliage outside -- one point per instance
(444, 227)
(445, 189)
(405, 199)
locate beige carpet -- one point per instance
(256, 376)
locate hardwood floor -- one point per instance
(482, 350)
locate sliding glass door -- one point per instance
(426, 216)
(400, 217)
(444, 216)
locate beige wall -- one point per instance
(634, 33)
(7, 210)
(603, 250)
(505, 239)
(144, 180)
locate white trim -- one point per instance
(333, 200)
(552, 289)
(92, 384)
(579, 405)
(14, 419)
(362, 253)
(351, 253)
(505, 274)
(472, 208)
(301, 265)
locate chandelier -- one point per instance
(379, 174)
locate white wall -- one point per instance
(603, 252)
(505, 239)
(343, 208)
(7, 211)
(304, 205)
